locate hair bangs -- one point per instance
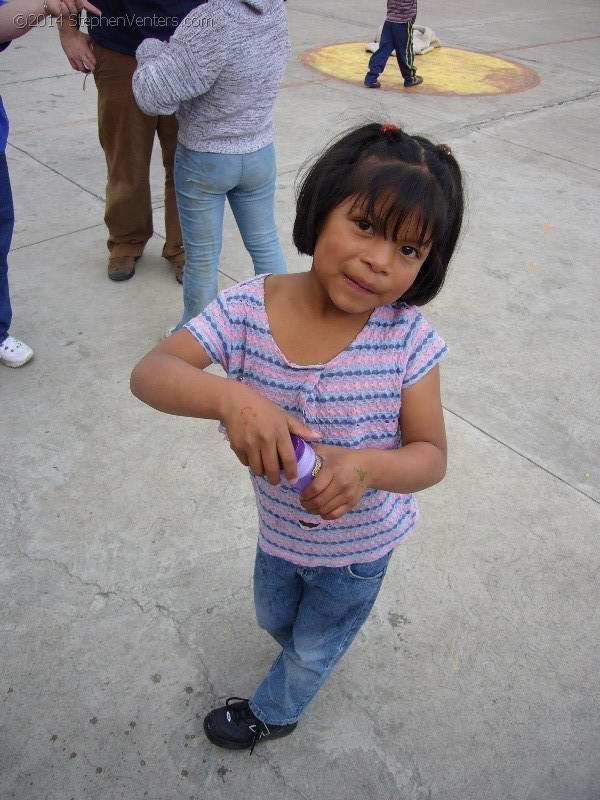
(401, 202)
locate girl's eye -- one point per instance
(364, 225)
(409, 251)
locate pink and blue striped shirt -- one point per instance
(352, 401)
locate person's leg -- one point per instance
(7, 220)
(315, 614)
(126, 136)
(253, 204)
(278, 589)
(402, 35)
(380, 57)
(335, 603)
(13, 352)
(173, 251)
(201, 183)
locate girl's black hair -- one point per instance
(396, 179)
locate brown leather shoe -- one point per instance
(121, 268)
(178, 263)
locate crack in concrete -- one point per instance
(161, 609)
(531, 110)
(56, 172)
(40, 78)
(540, 152)
(276, 770)
(59, 235)
(523, 456)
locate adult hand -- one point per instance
(78, 48)
(58, 8)
(21, 16)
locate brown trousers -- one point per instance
(127, 136)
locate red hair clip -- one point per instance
(445, 149)
(388, 129)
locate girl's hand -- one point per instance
(259, 434)
(340, 484)
(419, 463)
(172, 378)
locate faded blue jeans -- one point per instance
(202, 182)
(314, 613)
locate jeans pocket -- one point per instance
(369, 570)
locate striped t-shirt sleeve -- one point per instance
(213, 328)
(425, 349)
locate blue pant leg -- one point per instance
(253, 204)
(277, 594)
(334, 604)
(380, 57)
(202, 181)
(402, 36)
(7, 220)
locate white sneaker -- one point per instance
(14, 353)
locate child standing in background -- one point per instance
(338, 354)
(396, 34)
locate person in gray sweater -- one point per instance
(220, 72)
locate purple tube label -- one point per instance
(309, 464)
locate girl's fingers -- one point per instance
(336, 512)
(265, 463)
(242, 457)
(272, 458)
(302, 430)
(255, 463)
(271, 465)
(331, 508)
(321, 503)
(287, 457)
(329, 503)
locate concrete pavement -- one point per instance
(127, 536)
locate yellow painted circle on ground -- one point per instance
(445, 70)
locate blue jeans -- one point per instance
(202, 182)
(396, 36)
(314, 613)
(7, 220)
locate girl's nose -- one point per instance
(380, 254)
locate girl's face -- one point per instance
(359, 269)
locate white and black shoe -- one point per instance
(14, 353)
(235, 727)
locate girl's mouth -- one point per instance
(359, 288)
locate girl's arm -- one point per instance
(418, 464)
(171, 378)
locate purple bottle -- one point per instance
(309, 463)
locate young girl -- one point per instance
(340, 356)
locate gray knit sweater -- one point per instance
(220, 72)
